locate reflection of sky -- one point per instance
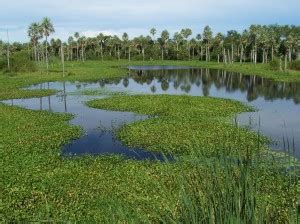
(90, 17)
(278, 117)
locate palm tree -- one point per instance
(186, 33)
(199, 40)
(47, 28)
(218, 42)
(125, 39)
(153, 32)
(70, 42)
(207, 37)
(243, 43)
(100, 39)
(178, 38)
(254, 35)
(76, 35)
(141, 44)
(34, 32)
(232, 36)
(164, 42)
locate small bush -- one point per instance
(275, 64)
(19, 62)
(3, 63)
(295, 65)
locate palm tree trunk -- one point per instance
(77, 52)
(229, 59)
(46, 55)
(272, 52)
(242, 52)
(285, 63)
(35, 52)
(232, 59)
(101, 52)
(189, 49)
(177, 49)
(129, 59)
(201, 53)
(62, 59)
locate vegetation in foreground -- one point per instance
(40, 185)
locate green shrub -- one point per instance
(20, 62)
(295, 65)
(275, 64)
(3, 63)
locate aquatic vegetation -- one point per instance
(99, 92)
(182, 124)
(203, 182)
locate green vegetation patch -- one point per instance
(183, 124)
(38, 184)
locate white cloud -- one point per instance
(136, 17)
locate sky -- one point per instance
(137, 17)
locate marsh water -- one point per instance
(277, 104)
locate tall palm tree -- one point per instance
(178, 38)
(34, 32)
(47, 28)
(70, 42)
(218, 44)
(199, 40)
(100, 39)
(207, 38)
(153, 32)
(186, 33)
(76, 35)
(125, 39)
(164, 42)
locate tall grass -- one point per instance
(232, 189)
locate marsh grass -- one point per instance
(221, 174)
(234, 179)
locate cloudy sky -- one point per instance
(136, 17)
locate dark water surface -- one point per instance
(278, 105)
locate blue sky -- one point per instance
(136, 17)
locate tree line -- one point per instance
(257, 44)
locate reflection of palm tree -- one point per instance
(65, 96)
(102, 83)
(153, 89)
(125, 82)
(176, 84)
(165, 85)
(186, 88)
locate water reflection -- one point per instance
(278, 104)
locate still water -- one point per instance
(278, 105)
